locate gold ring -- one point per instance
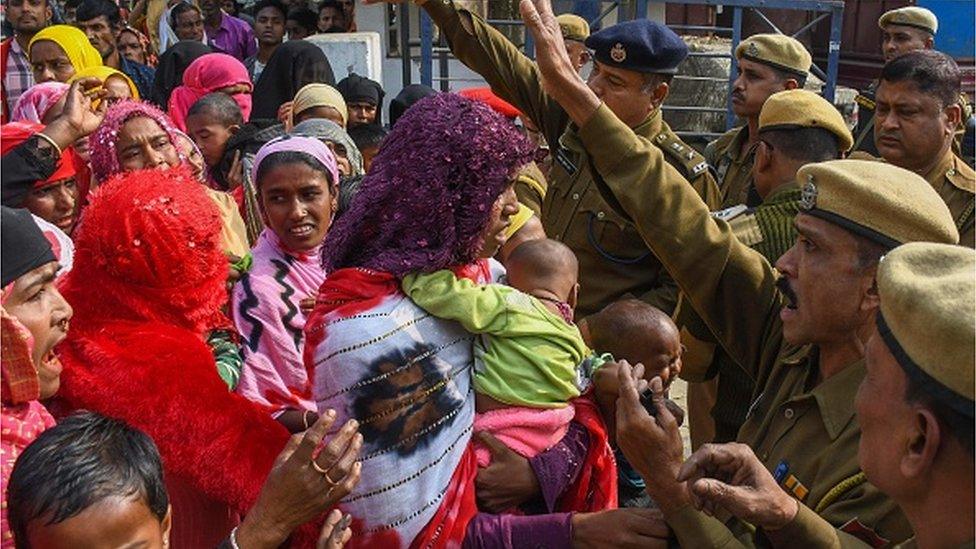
(324, 472)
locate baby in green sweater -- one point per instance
(530, 350)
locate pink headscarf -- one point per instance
(34, 103)
(207, 74)
(102, 143)
(293, 143)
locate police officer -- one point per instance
(903, 30)
(799, 336)
(917, 113)
(633, 65)
(575, 31)
(796, 127)
(915, 408)
(768, 63)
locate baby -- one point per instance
(528, 359)
(634, 331)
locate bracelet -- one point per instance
(233, 538)
(305, 419)
(50, 141)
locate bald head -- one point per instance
(634, 331)
(543, 264)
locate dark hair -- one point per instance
(348, 188)
(90, 9)
(283, 158)
(79, 462)
(304, 17)
(783, 75)
(869, 252)
(367, 135)
(276, 4)
(69, 4)
(804, 144)
(653, 80)
(180, 9)
(331, 4)
(934, 72)
(219, 105)
(958, 425)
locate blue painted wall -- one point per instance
(957, 30)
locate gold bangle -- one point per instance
(305, 419)
(51, 142)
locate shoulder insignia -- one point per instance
(865, 101)
(730, 213)
(689, 162)
(857, 529)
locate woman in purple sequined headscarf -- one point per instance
(134, 135)
(438, 195)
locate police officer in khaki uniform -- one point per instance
(796, 127)
(633, 63)
(799, 336)
(914, 126)
(575, 31)
(768, 63)
(904, 30)
(915, 408)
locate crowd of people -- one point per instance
(241, 311)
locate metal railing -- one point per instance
(824, 10)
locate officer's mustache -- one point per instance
(784, 286)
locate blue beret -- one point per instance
(640, 45)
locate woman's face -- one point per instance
(297, 203)
(142, 144)
(501, 212)
(117, 88)
(35, 301)
(55, 203)
(235, 89)
(49, 62)
(342, 159)
(130, 48)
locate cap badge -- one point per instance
(752, 50)
(808, 196)
(618, 53)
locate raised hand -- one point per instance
(653, 446)
(730, 476)
(559, 77)
(80, 117)
(302, 485)
(620, 528)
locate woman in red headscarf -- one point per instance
(148, 286)
(54, 199)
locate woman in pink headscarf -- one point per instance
(214, 72)
(35, 104)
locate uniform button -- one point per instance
(951, 172)
(600, 215)
(575, 196)
(788, 413)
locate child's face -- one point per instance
(109, 523)
(663, 357)
(210, 135)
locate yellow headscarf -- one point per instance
(319, 95)
(74, 43)
(102, 73)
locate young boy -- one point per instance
(527, 362)
(368, 138)
(211, 122)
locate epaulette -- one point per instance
(687, 160)
(961, 179)
(865, 101)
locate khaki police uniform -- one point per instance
(614, 262)
(955, 182)
(926, 320)
(731, 155)
(807, 427)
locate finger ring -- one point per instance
(324, 473)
